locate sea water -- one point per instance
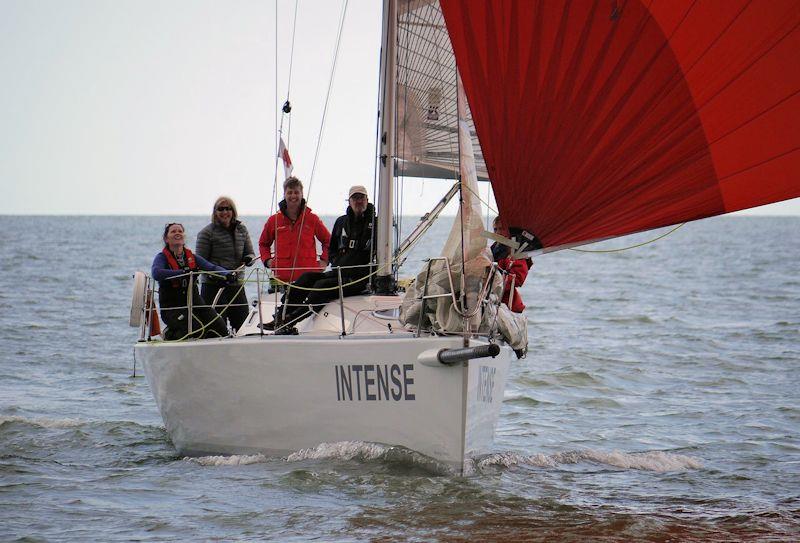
(659, 402)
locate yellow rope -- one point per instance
(281, 282)
(626, 248)
(220, 313)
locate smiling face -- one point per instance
(358, 203)
(174, 236)
(224, 212)
(293, 197)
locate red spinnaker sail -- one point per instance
(602, 118)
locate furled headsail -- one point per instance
(602, 118)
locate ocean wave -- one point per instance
(44, 422)
(111, 427)
(522, 400)
(637, 319)
(657, 461)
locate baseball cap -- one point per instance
(357, 189)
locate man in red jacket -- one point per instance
(352, 250)
(517, 269)
(293, 230)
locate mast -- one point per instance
(385, 283)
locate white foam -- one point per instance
(233, 460)
(649, 461)
(343, 450)
(657, 461)
(45, 422)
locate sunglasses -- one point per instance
(224, 208)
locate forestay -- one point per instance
(469, 268)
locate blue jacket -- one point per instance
(175, 295)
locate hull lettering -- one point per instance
(486, 384)
(374, 382)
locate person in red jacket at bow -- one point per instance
(517, 269)
(295, 250)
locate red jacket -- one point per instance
(517, 272)
(284, 232)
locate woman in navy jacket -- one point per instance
(171, 269)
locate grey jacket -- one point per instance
(224, 247)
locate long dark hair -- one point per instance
(166, 231)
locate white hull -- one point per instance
(278, 394)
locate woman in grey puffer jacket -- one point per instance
(226, 242)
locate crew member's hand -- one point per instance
(249, 260)
(231, 278)
(268, 263)
(323, 263)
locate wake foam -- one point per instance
(342, 450)
(345, 450)
(360, 451)
(657, 461)
(233, 460)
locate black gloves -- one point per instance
(249, 260)
(231, 278)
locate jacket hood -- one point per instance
(303, 207)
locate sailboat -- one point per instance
(590, 120)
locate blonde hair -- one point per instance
(221, 200)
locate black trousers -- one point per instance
(239, 309)
(205, 321)
(318, 298)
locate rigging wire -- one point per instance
(464, 307)
(328, 94)
(319, 136)
(589, 250)
(286, 109)
(377, 157)
(274, 199)
(400, 180)
(286, 104)
(626, 248)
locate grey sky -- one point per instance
(133, 107)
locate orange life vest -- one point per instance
(191, 263)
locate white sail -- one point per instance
(427, 97)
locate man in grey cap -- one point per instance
(352, 242)
(352, 248)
